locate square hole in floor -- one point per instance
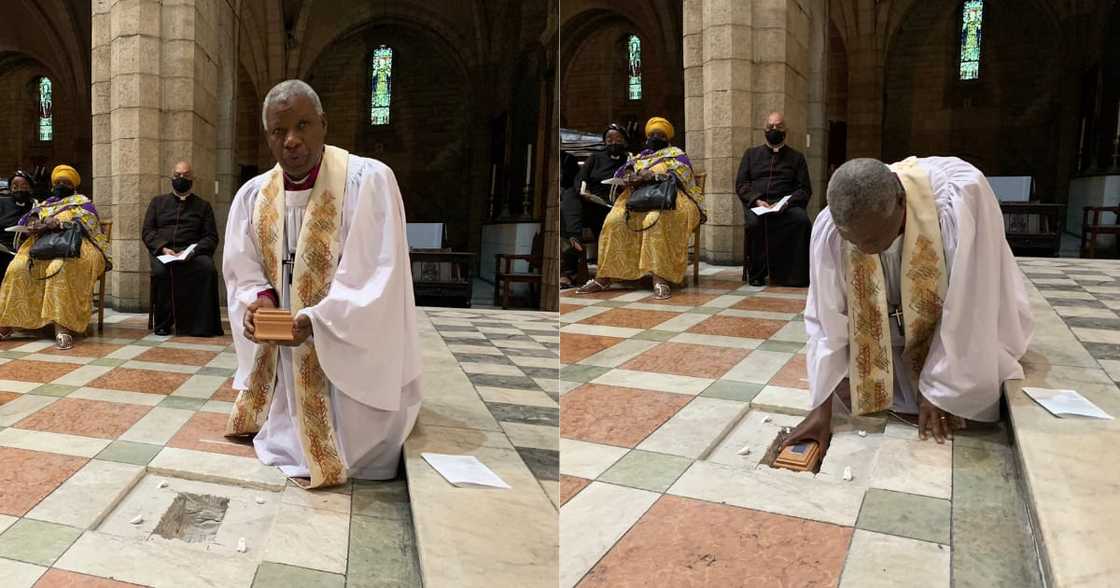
(193, 518)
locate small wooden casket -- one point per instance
(273, 325)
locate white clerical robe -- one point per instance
(986, 321)
(364, 329)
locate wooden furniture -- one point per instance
(505, 277)
(694, 249)
(1033, 226)
(273, 325)
(443, 274)
(99, 292)
(1090, 229)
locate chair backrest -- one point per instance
(107, 230)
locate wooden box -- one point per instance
(802, 457)
(273, 325)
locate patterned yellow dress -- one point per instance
(37, 293)
(628, 254)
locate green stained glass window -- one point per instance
(972, 18)
(634, 60)
(381, 82)
(46, 108)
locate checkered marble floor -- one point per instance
(122, 424)
(512, 359)
(659, 398)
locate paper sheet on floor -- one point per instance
(1062, 403)
(464, 470)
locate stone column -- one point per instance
(154, 103)
(753, 59)
(816, 152)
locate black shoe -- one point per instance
(163, 332)
(758, 283)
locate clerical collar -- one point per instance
(305, 183)
(183, 197)
(775, 149)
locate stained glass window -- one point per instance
(634, 59)
(381, 82)
(972, 18)
(46, 107)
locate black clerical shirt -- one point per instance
(10, 213)
(598, 167)
(177, 223)
(764, 173)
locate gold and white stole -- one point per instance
(924, 284)
(317, 256)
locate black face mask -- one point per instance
(657, 144)
(775, 137)
(21, 196)
(62, 191)
(182, 185)
(616, 149)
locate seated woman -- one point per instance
(653, 242)
(41, 292)
(12, 208)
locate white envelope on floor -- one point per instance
(464, 470)
(1066, 402)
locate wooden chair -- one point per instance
(1090, 230)
(694, 249)
(505, 277)
(99, 293)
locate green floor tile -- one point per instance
(37, 542)
(382, 554)
(182, 402)
(387, 500)
(611, 303)
(54, 390)
(707, 310)
(647, 470)
(581, 373)
(129, 452)
(215, 371)
(781, 346)
(14, 354)
(728, 390)
(654, 335)
(274, 575)
(108, 362)
(905, 515)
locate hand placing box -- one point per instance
(273, 325)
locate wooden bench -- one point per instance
(1091, 229)
(694, 249)
(450, 276)
(99, 292)
(1034, 227)
(505, 277)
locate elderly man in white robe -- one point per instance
(915, 302)
(322, 234)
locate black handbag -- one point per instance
(64, 243)
(660, 195)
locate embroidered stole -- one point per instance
(317, 255)
(924, 284)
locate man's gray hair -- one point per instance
(284, 92)
(862, 187)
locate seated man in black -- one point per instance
(185, 296)
(12, 208)
(778, 241)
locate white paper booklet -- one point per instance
(464, 470)
(1062, 403)
(182, 256)
(776, 207)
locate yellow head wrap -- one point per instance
(659, 124)
(65, 172)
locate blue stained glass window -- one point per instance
(46, 109)
(381, 81)
(634, 60)
(972, 18)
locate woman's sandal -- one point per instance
(592, 286)
(662, 292)
(64, 341)
(6, 334)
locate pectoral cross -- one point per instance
(897, 315)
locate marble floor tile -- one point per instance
(75, 359)
(772, 304)
(26, 477)
(758, 314)
(382, 555)
(570, 486)
(176, 356)
(531, 415)
(87, 495)
(915, 467)
(129, 452)
(1066, 295)
(581, 459)
(795, 401)
(616, 416)
(848, 450)
(876, 560)
(662, 307)
(6, 397)
(60, 443)
(686, 385)
(528, 361)
(581, 373)
(274, 575)
(163, 367)
(199, 386)
(683, 542)
(127, 352)
(36, 542)
(56, 578)
(730, 326)
(543, 463)
(309, 538)
(906, 515)
(758, 367)
(682, 322)
(18, 574)
(18, 387)
(117, 396)
(757, 430)
(694, 429)
(683, 359)
(597, 330)
(535, 436)
(515, 396)
(58, 390)
(474, 349)
(716, 341)
(501, 381)
(135, 380)
(217, 468)
(591, 523)
(654, 335)
(1089, 335)
(35, 371)
(630, 318)
(729, 390)
(792, 332)
(205, 431)
(88, 418)
(616, 355)
(32, 346)
(777, 491)
(646, 470)
(1089, 312)
(494, 369)
(633, 296)
(683, 298)
(794, 374)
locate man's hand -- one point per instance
(169, 251)
(816, 427)
(301, 330)
(936, 421)
(760, 203)
(250, 312)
